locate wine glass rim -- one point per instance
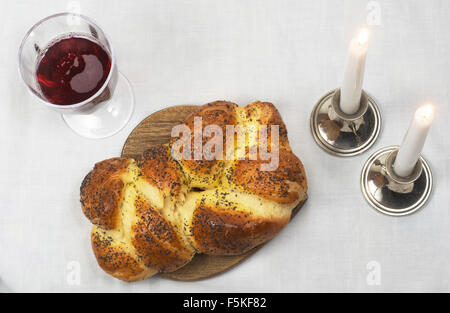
(102, 88)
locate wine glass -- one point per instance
(108, 107)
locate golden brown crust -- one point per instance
(221, 231)
(133, 240)
(265, 113)
(160, 170)
(220, 113)
(115, 260)
(101, 192)
(287, 184)
(156, 240)
(153, 217)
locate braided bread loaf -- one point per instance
(155, 214)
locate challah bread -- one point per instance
(227, 222)
(136, 232)
(153, 215)
(203, 173)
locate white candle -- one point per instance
(354, 73)
(412, 144)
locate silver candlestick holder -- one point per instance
(344, 134)
(391, 194)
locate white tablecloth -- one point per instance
(193, 52)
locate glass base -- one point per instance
(109, 118)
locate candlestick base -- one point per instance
(344, 134)
(391, 194)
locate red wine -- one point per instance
(72, 70)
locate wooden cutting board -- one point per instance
(155, 130)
